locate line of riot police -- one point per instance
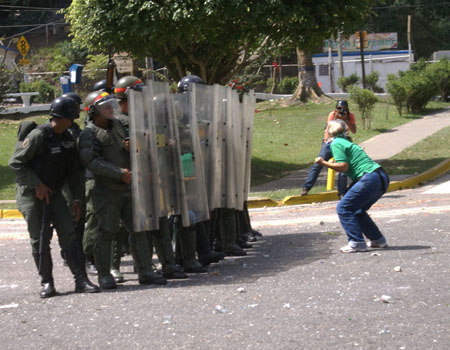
(160, 168)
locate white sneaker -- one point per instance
(354, 248)
(379, 243)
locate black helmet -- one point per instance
(183, 84)
(342, 104)
(64, 107)
(73, 96)
(99, 85)
(126, 83)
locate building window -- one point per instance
(323, 69)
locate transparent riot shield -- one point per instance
(238, 148)
(249, 101)
(191, 156)
(207, 111)
(144, 167)
(172, 188)
(228, 186)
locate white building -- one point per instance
(383, 62)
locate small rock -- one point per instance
(252, 306)
(241, 290)
(219, 309)
(287, 306)
(386, 299)
(397, 269)
(375, 254)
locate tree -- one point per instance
(214, 39)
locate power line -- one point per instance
(58, 22)
(32, 8)
(408, 6)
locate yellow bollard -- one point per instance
(330, 178)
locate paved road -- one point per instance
(293, 291)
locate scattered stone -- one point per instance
(397, 269)
(386, 299)
(219, 309)
(286, 306)
(375, 254)
(241, 290)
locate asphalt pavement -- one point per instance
(294, 289)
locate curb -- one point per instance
(410, 182)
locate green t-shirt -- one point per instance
(358, 161)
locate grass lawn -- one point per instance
(421, 156)
(285, 139)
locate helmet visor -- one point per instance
(108, 107)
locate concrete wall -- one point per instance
(383, 62)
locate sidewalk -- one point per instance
(380, 147)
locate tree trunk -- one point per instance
(274, 80)
(307, 89)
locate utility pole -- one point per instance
(339, 51)
(409, 40)
(331, 67)
(361, 50)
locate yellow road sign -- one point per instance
(24, 61)
(23, 46)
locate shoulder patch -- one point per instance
(25, 142)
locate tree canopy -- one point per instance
(214, 39)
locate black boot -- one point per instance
(163, 246)
(188, 245)
(142, 257)
(227, 224)
(206, 256)
(247, 219)
(102, 255)
(90, 266)
(75, 260)
(48, 287)
(241, 235)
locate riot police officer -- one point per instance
(104, 151)
(43, 163)
(160, 239)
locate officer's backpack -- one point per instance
(25, 128)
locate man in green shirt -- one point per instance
(370, 182)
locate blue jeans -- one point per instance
(325, 153)
(352, 208)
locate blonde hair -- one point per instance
(336, 127)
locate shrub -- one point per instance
(397, 92)
(371, 82)
(46, 90)
(6, 83)
(287, 85)
(439, 72)
(365, 99)
(346, 83)
(416, 87)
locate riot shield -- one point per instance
(207, 102)
(249, 102)
(191, 156)
(238, 148)
(144, 167)
(172, 188)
